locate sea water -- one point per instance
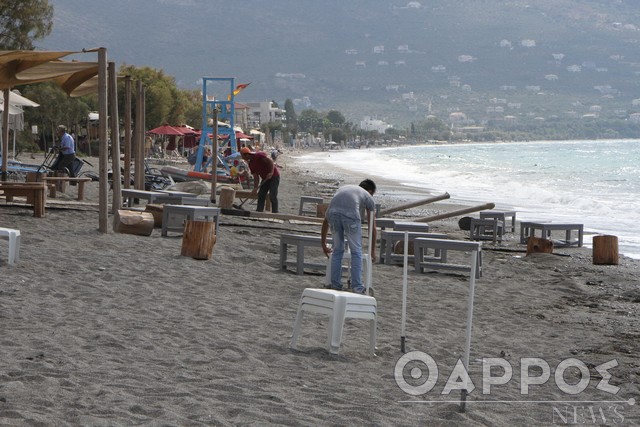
(595, 183)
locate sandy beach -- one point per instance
(119, 330)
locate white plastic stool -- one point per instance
(14, 243)
(338, 305)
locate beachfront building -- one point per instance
(259, 113)
(370, 124)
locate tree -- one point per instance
(22, 22)
(165, 104)
(310, 121)
(290, 116)
(336, 118)
(56, 108)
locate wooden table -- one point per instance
(61, 181)
(35, 193)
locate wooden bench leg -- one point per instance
(300, 259)
(80, 190)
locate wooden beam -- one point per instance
(414, 204)
(486, 206)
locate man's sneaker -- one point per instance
(361, 291)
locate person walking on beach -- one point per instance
(343, 217)
(67, 152)
(266, 177)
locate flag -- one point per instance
(239, 88)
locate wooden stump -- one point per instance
(156, 211)
(198, 239)
(605, 250)
(321, 209)
(398, 248)
(539, 245)
(465, 223)
(227, 196)
(133, 222)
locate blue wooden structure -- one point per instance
(226, 113)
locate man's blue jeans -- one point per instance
(349, 229)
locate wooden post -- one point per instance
(127, 132)
(116, 202)
(214, 157)
(103, 161)
(538, 245)
(5, 134)
(605, 250)
(198, 239)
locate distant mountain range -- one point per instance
(394, 59)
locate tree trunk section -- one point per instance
(605, 250)
(198, 239)
(156, 211)
(227, 196)
(538, 245)
(133, 222)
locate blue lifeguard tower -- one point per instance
(226, 113)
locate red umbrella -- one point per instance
(166, 130)
(240, 135)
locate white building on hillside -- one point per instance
(370, 124)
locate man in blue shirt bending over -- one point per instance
(67, 152)
(343, 216)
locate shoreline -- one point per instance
(321, 161)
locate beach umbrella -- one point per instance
(472, 284)
(166, 130)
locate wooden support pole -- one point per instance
(127, 132)
(116, 201)
(5, 134)
(103, 159)
(414, 204)
(214, 157)
(486, 206)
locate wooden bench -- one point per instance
(507, 226)
(528, 229)
(439, 259)
(315, 201)
(388, 239)
(61, 184)
(35, 193)
(300, 241)
(486, 229)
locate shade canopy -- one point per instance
(19, 67)
(167, 130)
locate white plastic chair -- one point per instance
(338, 306)
(14, 243)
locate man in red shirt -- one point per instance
(266, 177)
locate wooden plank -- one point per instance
(285, 217)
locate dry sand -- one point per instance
(114, 329)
